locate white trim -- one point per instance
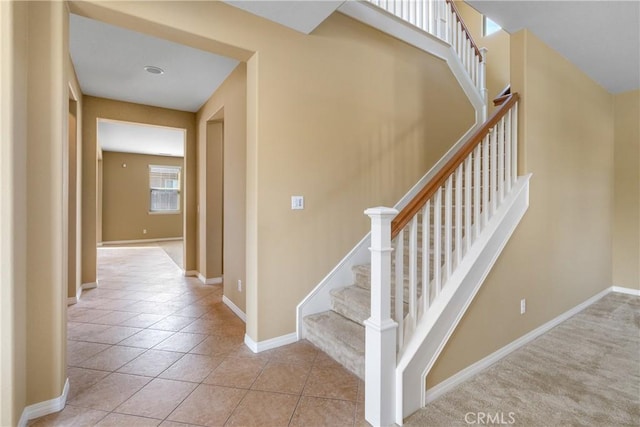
(72, 300)
(89, 285)
(261, 346)
(190, 273)
(628, 291)
(47, 407)
(126, 242)
(210, 281)
(472, 370)
(234, 308)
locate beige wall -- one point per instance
(224, 203)
(347, 117)
(498, 47)
(626, 217)
(560, 254)
(14, 32)
(125, 198)
(95, 108)
(47, 237)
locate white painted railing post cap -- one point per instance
(381, 211)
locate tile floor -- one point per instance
(150, 347)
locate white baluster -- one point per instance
(483, 82)
(493, 169)
(485, 181)
(399, 282)
(380, 334)
(432, 17)
(468, 186)
(426, 245)
(437, 241)
(458, 216)
(477, 186)
(507, 153)
(413, 271)
(500, 171)
(448, 187)
(514, 141)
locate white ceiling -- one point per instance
(139, 138)
(301, 15)
(602, 38)
(110, 61)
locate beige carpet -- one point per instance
(174, 249)
(584, 372)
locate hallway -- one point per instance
(150, 347)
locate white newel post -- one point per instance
(483, 83)
(380, 350)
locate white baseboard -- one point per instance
(472, 370)
(260, 346)
(234, 308)
(628, 291)
(90, 285)
(47, 407)
(190, 273)
(74, 300)
(210, 281)
(127, 242)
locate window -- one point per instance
(490, 27)
(164, 186)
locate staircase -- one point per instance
(389, 317)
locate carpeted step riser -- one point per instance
(354, 303)
(340, 338)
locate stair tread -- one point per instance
(339, 337)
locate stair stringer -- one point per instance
(319, 299)
(437, 326)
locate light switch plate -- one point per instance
(297, 202)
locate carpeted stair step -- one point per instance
(339, 337)
(354, 303)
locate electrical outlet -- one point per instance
(239, 285)
(144, 231)
(523, 306)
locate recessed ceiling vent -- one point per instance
(153, 69)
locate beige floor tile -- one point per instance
(176, 424)
(110, 392)
(216, 345)
(233, 372)
(151, 363)
(81, 379)
(113, 318)
(83, 331)
(112, 335)
(85, 315)
(114, 304)
(157, 399)
(262, 408)
(332, 382)
(112, 358)
(208, 405)
(191, 310)
(318, 412)
(181, 341)
(143, 320)
(146, 338)
(282, 378)
(172, 323)
(79, 351)
(192, 367)
(301, 352)
(121, 420)
(71, 416)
